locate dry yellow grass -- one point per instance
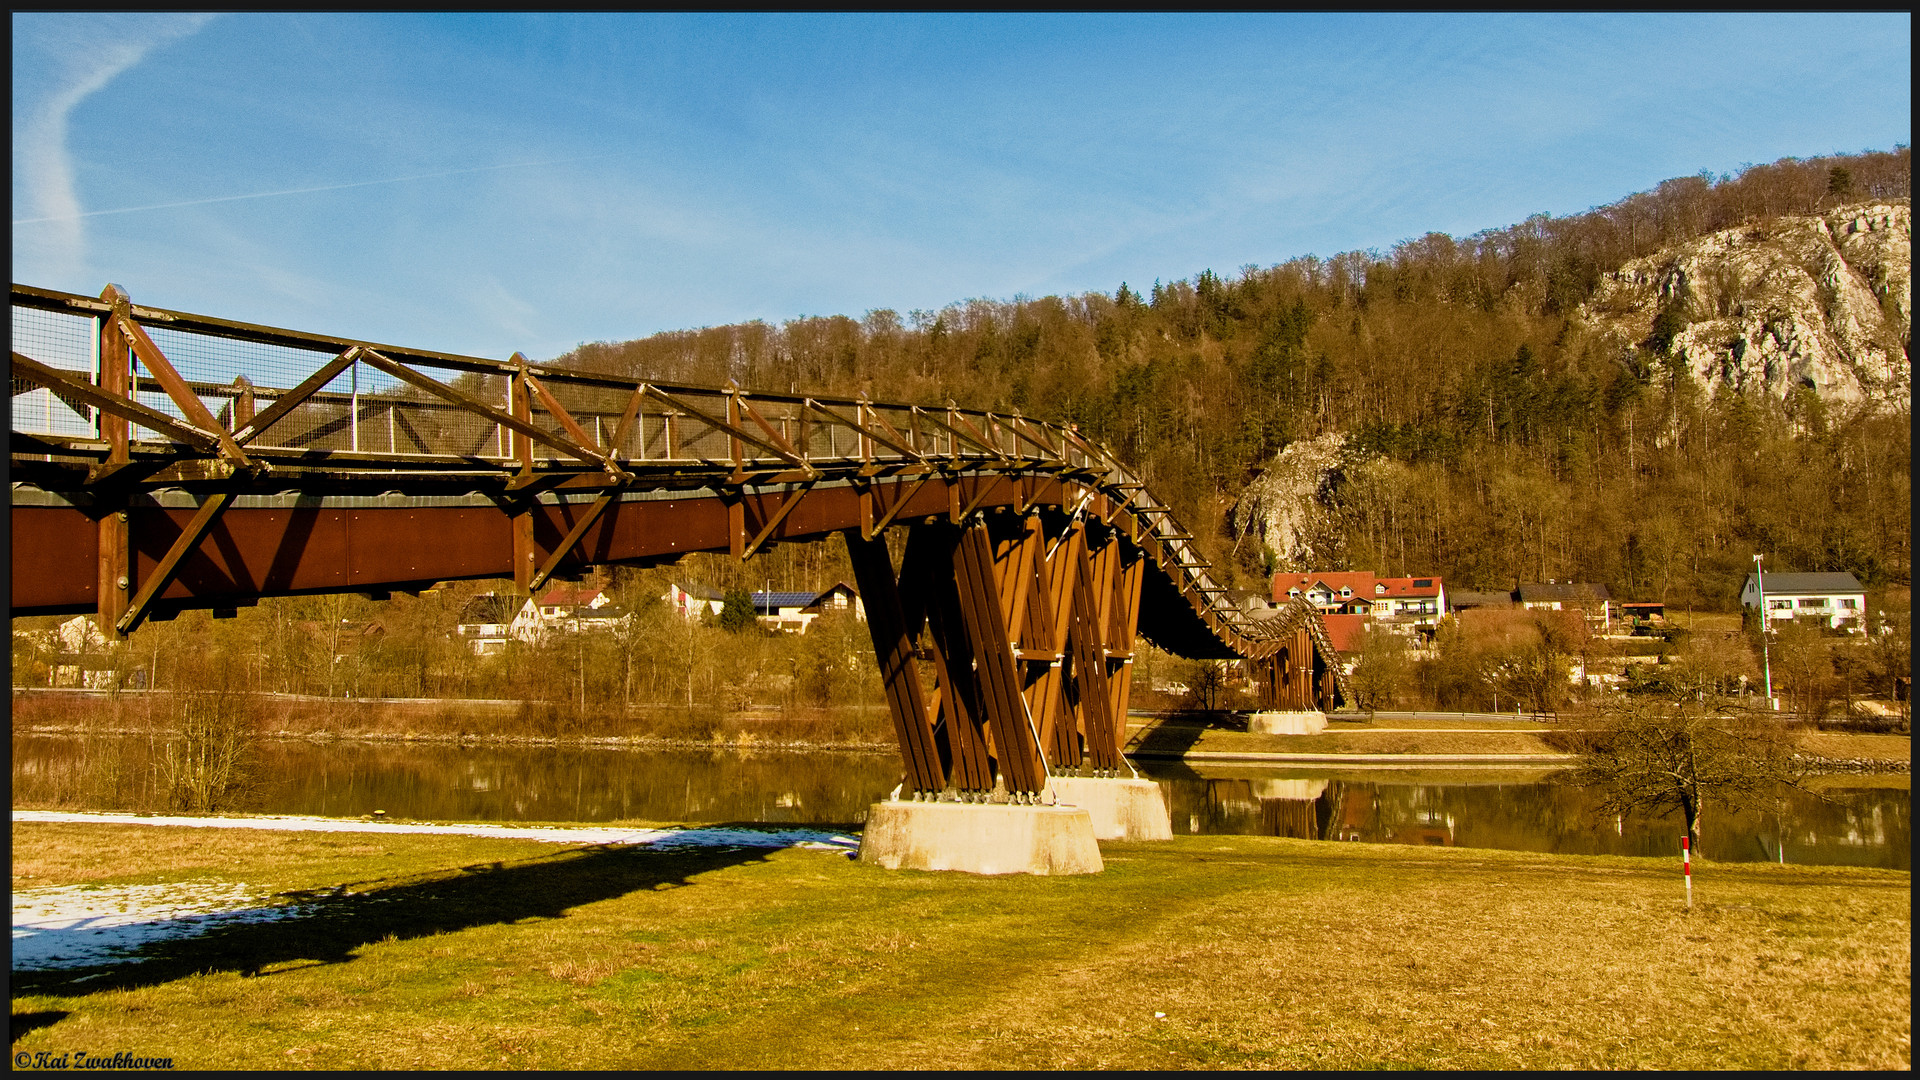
(1859, 747)
(1204, 952)
(1178, 735)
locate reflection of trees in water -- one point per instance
(1864, 828)
(534, 783)
(493, 783)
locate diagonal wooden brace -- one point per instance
(293, 398)
(579, 530)
(467, 401)
(864, 430)
(774, 520)
(176, 387)
(188, 540)
(571, 425)
(713, 421)
(31, 370)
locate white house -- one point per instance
(1419, 602)
(1837, 601)
(691, 599)
(487, 621)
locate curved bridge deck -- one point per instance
(164, 460)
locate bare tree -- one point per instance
(1381, 668)
(1659, 754)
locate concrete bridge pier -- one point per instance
(1121, 808)
(980, 838)
(1288, 722)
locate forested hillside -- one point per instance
(1514, 405)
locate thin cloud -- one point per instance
(87, 63)
(78, 214)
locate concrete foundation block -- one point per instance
(1287, 723)
(981, 838)
(1120, 809)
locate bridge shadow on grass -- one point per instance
(331, 930)
(1164, 741)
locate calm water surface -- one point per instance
(1523, 812)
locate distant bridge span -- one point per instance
(165, 461)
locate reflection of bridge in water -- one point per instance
(165, 461)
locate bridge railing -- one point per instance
(280, 395)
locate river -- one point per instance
(1517, 810)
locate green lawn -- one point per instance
(1203, 952)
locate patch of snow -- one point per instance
(86, 925)
(666, 838)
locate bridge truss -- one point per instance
(164, 460)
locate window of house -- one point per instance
(1345, 591)
(1850, 603)
(1780, 605)
(1379, 590)
(1813, 602)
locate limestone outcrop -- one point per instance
(1824, 302)
(1283, 507)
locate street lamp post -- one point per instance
(1766, 621)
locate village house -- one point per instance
(1835, 601)
(1350, 599)
(784, 611)
(691, 600)
(1594, 601)
(840, 597)
(487, 622)
(1413, 602)
(1345, 592)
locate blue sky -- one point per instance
(482, 183)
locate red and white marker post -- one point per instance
(1686, 867)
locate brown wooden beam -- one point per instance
(899, 671)
(176, 387)
(189, 539)
(1022, 768)
(292, 399)
(122, 408)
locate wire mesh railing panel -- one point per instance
(596, 409)
(896, 424)
(701, 440)
(58, 340)
(204, 358)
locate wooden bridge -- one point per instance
(164, 461)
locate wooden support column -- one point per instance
(981, 607)
(1125, 627)
(525, 558)
(115, 537)
(927, 572)
(1092, 700)
(893, 647)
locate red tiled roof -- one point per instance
(1408, 586)
(1360, 581)
(568, 596)
(1344, 631)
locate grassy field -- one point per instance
(1204, 952)
(1179, 733)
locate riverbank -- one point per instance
(1389, 740)
(1427, 739)
(1203, 952)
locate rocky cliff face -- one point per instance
(1284, 507)
(1822, 302)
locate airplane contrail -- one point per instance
(300, 191)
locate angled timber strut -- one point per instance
(164, 460)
